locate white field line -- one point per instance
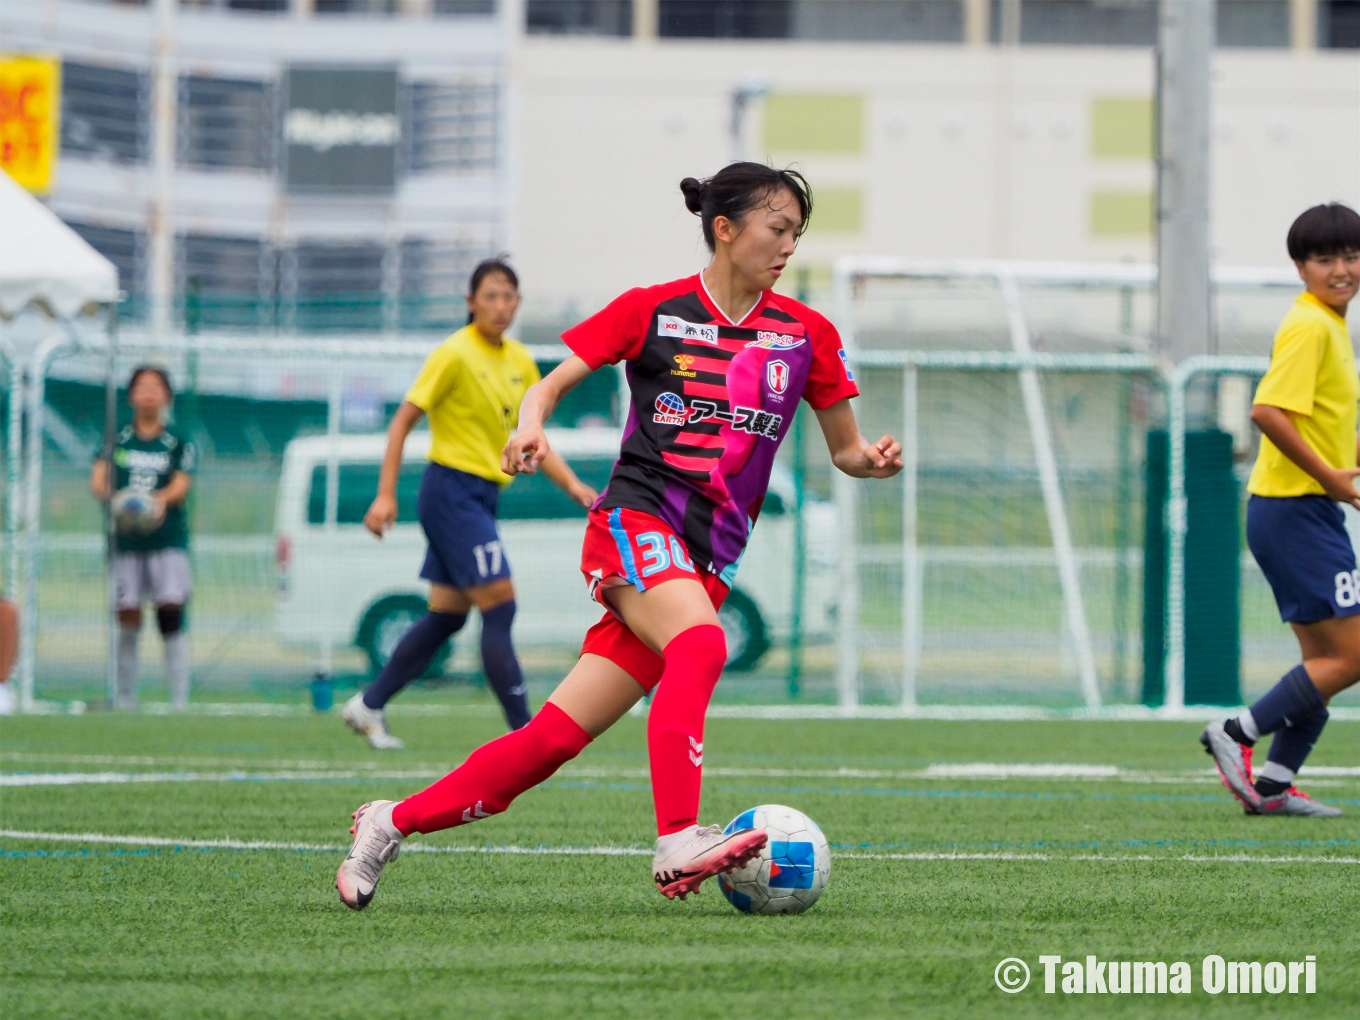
(939, 713)
(632, 851)
(303, 772)
(243, 844)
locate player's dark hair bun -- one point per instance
(693, 190)
(738, 188)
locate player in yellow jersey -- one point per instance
(1306, 410)
(470, 387)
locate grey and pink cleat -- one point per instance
(1294, 801)
(1233, 761)
(376, 843)
(685, 859)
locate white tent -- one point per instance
(43, 260)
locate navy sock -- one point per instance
(500, 665)
(412, 654)
(1287, 703)
(1292, 744)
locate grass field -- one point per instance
(939, 873)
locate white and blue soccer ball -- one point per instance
(135, 512)
(791, 871)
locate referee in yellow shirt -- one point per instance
(1306, 410)
(471, 387)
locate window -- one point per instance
(878, 20)
(1253, 23)
(1083, 22)
(434, 276)
(726, 19)
(126, 249)
(225, 281)
(105, 112)
(1339, 23)
(382, 7)
(464, 7)
(579, 17)
(334, 285)
(226, 123)
(451, 127)
(358, 484)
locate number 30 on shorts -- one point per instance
(1347, 588)
(656, 558)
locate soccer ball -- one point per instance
(792, 869)
(135, 512)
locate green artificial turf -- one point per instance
(94, 929)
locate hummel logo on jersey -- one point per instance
(669, 325)
(696, 753)
(473, 813)
(776, 341)
(684, 361)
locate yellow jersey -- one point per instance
(471, 390)
(1312, 377)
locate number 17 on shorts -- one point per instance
(488, 556)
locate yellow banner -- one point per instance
(30, 104)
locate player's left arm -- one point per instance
(176, 490)
(850, 451)
(559, 472)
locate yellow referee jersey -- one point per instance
(471, 390)
(1312, 376)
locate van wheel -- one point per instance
(386, 623)
(745, 629)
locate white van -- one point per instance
(340, 586)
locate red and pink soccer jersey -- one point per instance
(711, 402)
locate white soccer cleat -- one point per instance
(369, 723)
(686, 858)
(6, 700)
(376, 843)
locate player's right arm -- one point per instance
(529, 445)
(99, 480)
(382, 514)
(1279, 428)
(1288, 389)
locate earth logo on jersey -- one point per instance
(777, 375)
(670, 410)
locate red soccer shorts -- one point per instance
(632, 547)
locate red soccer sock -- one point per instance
(494, 774)
(675, 725)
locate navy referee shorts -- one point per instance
(1301, 545)
(458, 514)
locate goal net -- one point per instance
(1005, 566)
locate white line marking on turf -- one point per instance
(302, 772)
(632, 851)
(242, 844)
(118, 778)
(991, 770)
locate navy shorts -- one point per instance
(1301, 545)
(458, 515)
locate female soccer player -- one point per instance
(150, 457)
(1306, 410)
(717, 363)
(471, 387)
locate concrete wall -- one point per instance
(916, 151)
